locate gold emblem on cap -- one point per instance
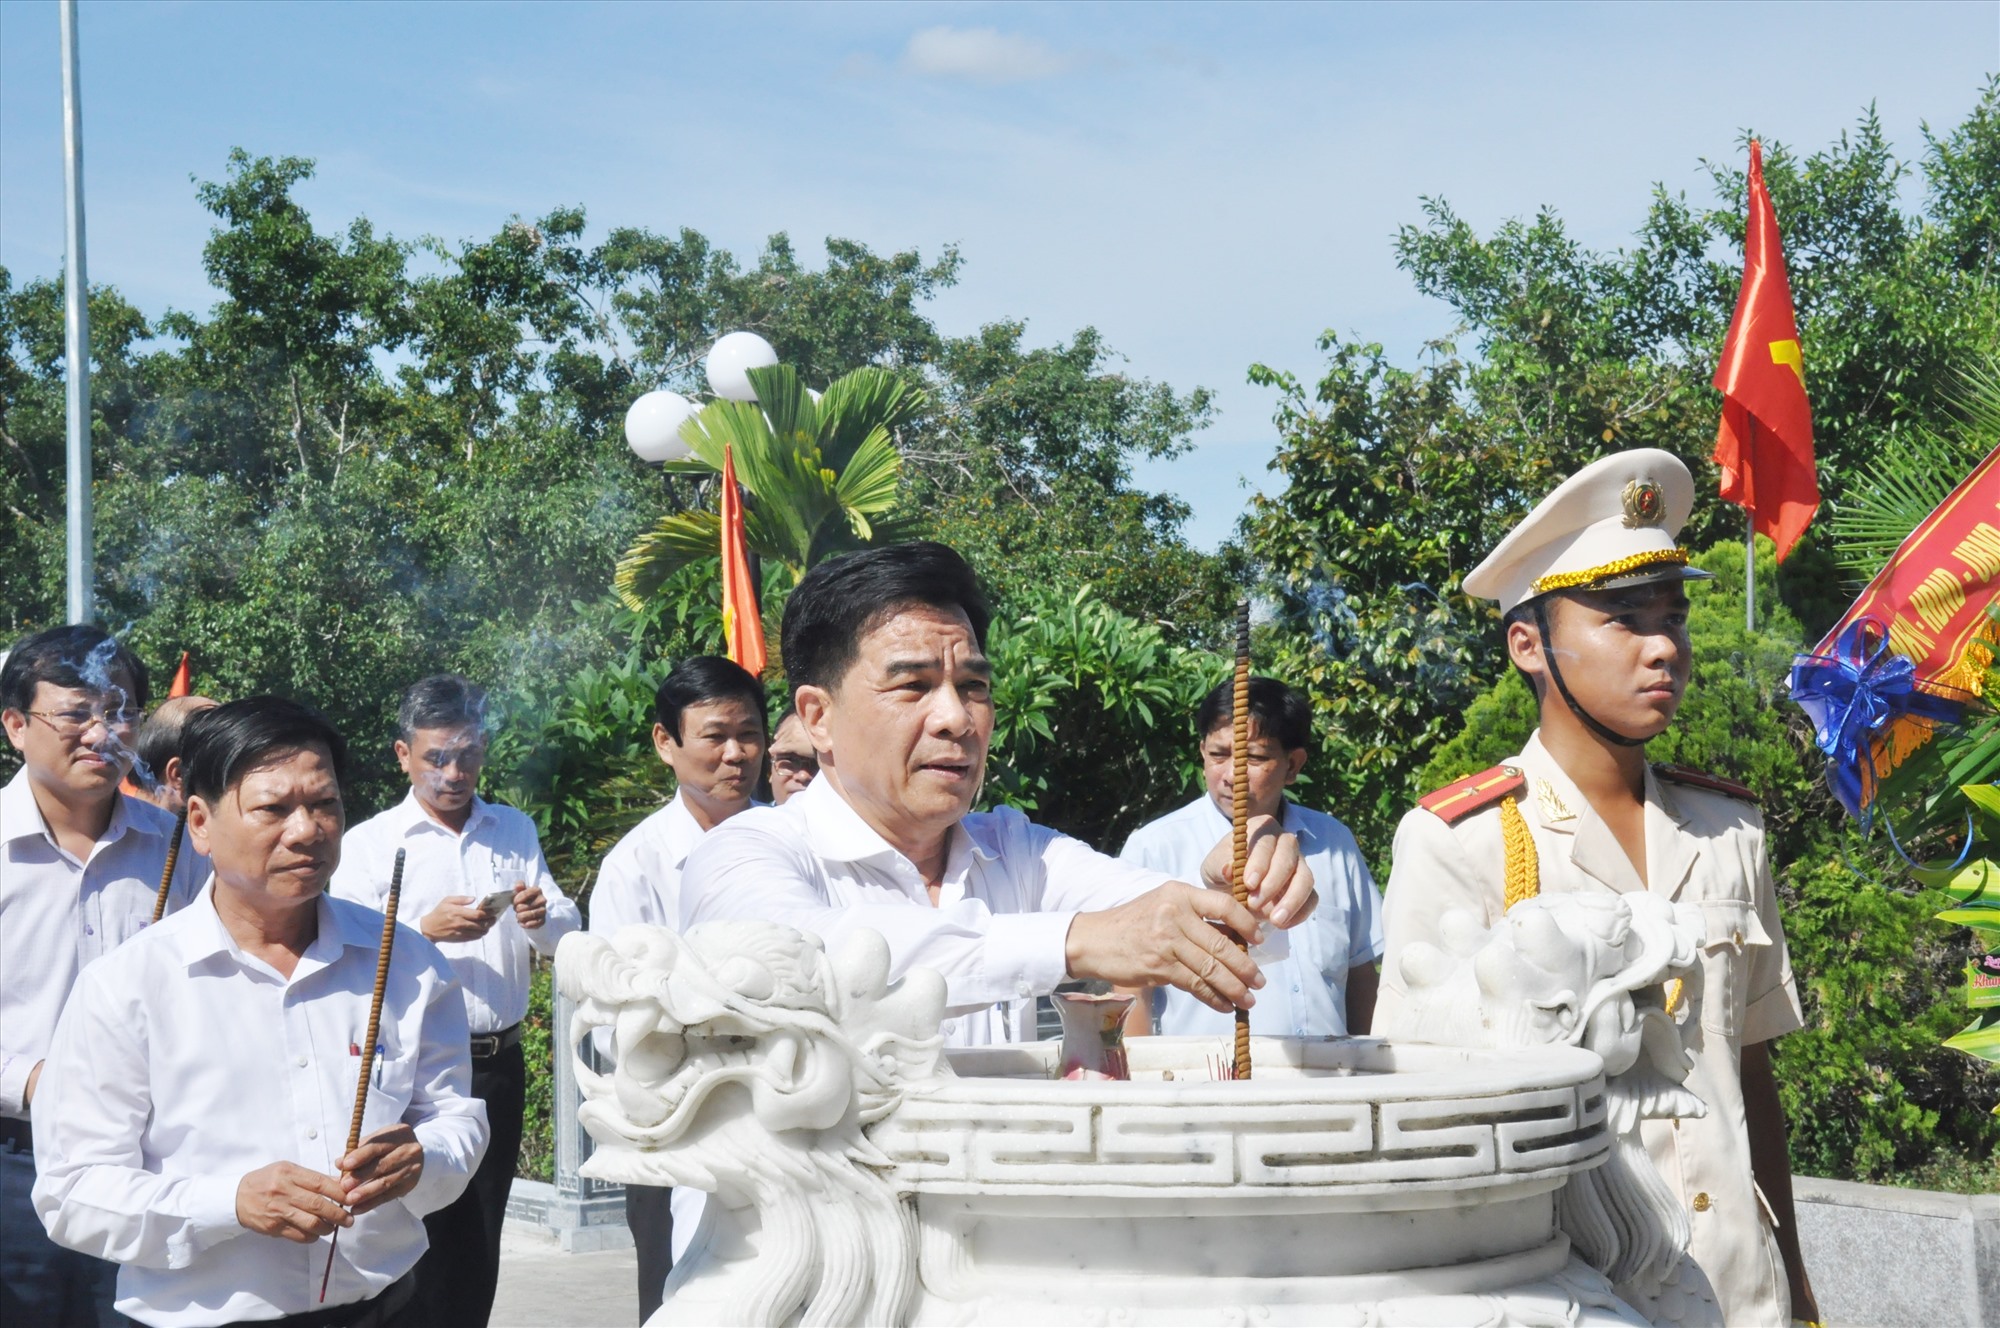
(1645, 505)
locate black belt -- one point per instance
(369, 1313)
(17, 1132)
(485, 1045)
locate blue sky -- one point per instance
(1210, 186)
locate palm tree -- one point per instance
(821, 476)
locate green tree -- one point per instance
(821, 475)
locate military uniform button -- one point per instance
(1701, 1202)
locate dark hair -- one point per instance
(441, 701)
(161, 737)
(700, 680)
(227, 742)
(1280, 712)
(80, 656)
(843, 599)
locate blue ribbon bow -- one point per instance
(1852, 696)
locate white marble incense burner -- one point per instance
(860, 1175)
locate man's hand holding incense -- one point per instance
(386, 1166)
(456, 918)
(291, 1202)
(1169, 936)
(1281, 885)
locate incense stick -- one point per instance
(1239, 819)
(167, 876)
(368, 1047)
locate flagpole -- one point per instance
(76, 297)
(1749, 536)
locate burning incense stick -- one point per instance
(1239, 819)
(368, 1047)
(167, 876)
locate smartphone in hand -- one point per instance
(495, 904)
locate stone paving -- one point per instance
(541, 1287)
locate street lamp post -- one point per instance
(76, 330)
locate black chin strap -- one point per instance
(1555, 675)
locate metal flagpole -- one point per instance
(76, 292)
(1749, 535)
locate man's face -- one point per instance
(719, 754)
(1272, 768)
(275, 836)
(907, 726)
(167, 788)
(793, 760)
(443, 765)
(76, 741)
(1624, 654)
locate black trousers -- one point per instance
(42, 1283)
(456, 1276)
(652, 1224)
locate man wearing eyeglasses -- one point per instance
(80, 864)
(794, 762)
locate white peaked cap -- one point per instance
(1611, 524)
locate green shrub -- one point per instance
(1094, 726)
(538, 1042)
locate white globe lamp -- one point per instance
(730, 361)
(653, 426)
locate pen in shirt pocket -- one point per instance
(354, 1049)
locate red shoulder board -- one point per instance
(1456, 801)
(1680, 774)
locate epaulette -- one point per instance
(1456, 801)
(1680, 774)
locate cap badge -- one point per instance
(1644, 504)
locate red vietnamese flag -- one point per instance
(1765, 445)
(742, 625)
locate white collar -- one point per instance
(201, 935)
(412, 817)
(22, 816)
(838, 833)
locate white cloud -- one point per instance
(982, 55)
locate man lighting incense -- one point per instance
(475, 885)
(80, 865)
(198, 1094)
(886, 652)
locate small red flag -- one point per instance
(742, 625)
(183, 683)
(1765, 444)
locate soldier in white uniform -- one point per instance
(1592, 586)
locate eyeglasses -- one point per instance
(795, 765)
(76, 723)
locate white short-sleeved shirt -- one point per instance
(58, 914)
(640, 879)
(1305, 994)
(999, 930)
(183, 1064)
(497, 848)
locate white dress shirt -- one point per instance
(57, 914)
(183, 1064)
(1305, 994)
(640, 878)
(997, 935)
(497, 848)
